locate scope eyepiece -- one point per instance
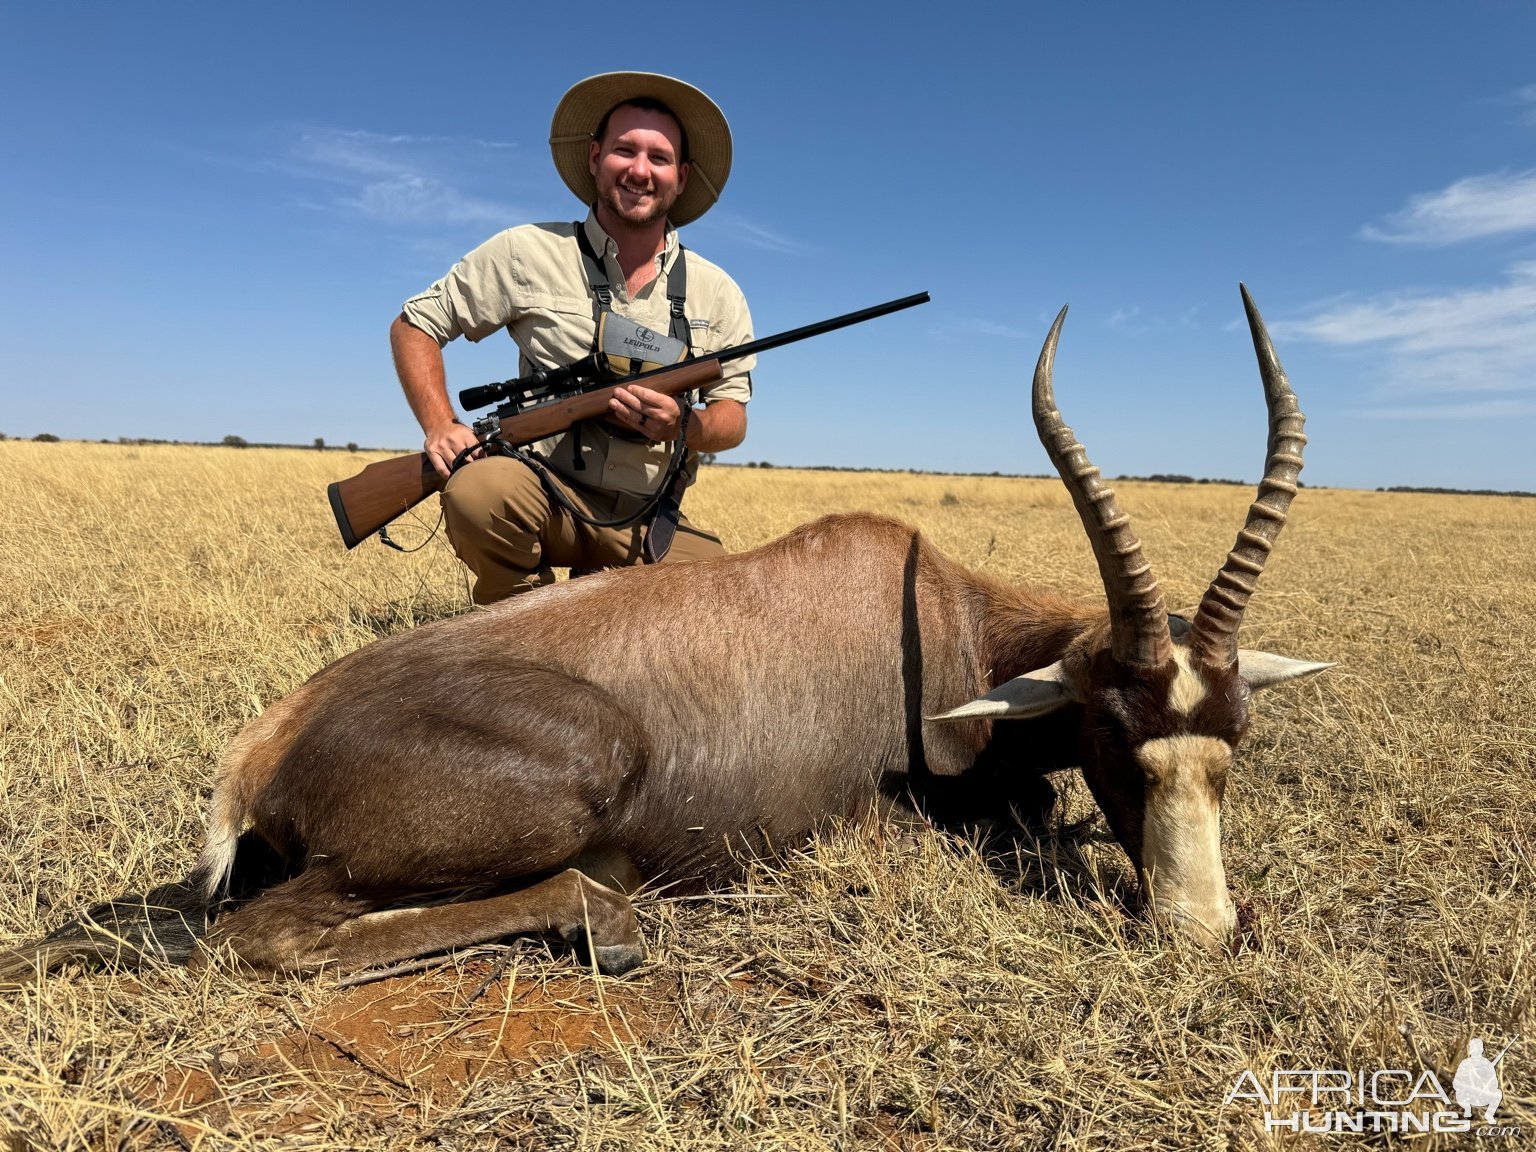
(481, 395)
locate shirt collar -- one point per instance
(601, 240)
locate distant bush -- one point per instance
(320, 443)
(1180, 478)
(234, 442)
(351, 445)
(46, 438)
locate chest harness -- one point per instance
(661, 508)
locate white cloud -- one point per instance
(979, 327)
(1478, 339)
(732, 226)
(1127, 319)
(408, 198)
(1475, 410)
(1496, 204)
(404, 180)
(1525, 100)
(1473, 340)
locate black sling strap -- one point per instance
(602, 287)
(661, 505)
(664, 505)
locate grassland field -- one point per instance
(885, 987)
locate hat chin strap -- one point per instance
(697, 173)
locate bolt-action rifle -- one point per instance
(542, 404)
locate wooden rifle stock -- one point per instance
(383, 490)
(386, 489)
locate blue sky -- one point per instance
(210, 213)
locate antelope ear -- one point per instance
(1262, 669)
(1032, 694)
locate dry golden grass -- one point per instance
(891, 987)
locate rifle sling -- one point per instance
(658, 537)
(663, 506)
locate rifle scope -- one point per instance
(541, 380)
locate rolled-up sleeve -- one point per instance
(476, 298)
(729, 324)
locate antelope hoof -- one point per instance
(617, 959)
(611, 959)
(1207, 928)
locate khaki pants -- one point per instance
(505, 527)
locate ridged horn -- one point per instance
(1214, 632)
(1138, 619)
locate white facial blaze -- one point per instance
(1181, 833)
(1189, 687)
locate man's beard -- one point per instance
(638, 216)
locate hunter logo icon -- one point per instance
(1476, 1084)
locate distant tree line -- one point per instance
(1176, 478)
(1458, 491)
(233, 441)
(319, 444)
(228, 442)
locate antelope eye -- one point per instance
(1217, 767)
(1114, 739)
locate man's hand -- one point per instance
(445, 441)
(419, 364)
(652, 414)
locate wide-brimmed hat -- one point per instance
(709, 136)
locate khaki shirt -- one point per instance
(529, 280)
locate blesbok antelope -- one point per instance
(520, 769)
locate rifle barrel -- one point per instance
(752, 347)
(587, 373)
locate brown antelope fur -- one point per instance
(522, 768)
(458, 756)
